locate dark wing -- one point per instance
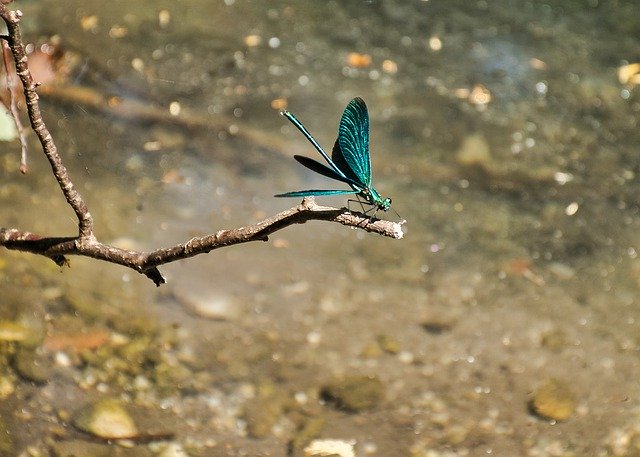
(338, 160)
(322, 169)
(353, 138)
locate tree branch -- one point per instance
(147, 262)
(86, 244)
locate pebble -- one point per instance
(327, 448)
(562, 270)
(553, 400)
(474, 151)
(355, 393)
(7, 386)
(262, 412)
(436, 326)
(371, 351)
(308, 429)
(76, 448)
(106, 419)
(554, 340)
(388, 344)
(13, 331)
(173, 449)
(6, 441)
(32, 366)
(209, 305)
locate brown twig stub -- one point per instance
(86, 244)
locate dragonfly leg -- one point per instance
(358, 201)
(362, 203)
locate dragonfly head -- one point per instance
(385, 204)
(374, 199)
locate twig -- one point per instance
(147, 262)
(86, 244)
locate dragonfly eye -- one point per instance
(386, 204)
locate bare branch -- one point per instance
(86, 244)
(147, 262)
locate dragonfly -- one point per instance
(350, 161)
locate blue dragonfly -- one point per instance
(349, 163)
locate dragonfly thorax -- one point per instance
(374, 199)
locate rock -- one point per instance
(436, 326)
(106, 419)
(7, 386)
(474, 151)
(309, 429)
(371, 350)
(32, 366)
(562, 270)
(262, 412)
(6, 443)
(13, 331)
(355, 393)
(553, 400)
(554, 340)
(210, 305)
(326, 448)
(173, 449)
(77, 448)
(388, 344)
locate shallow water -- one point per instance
(518, 266)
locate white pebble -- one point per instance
(321, 448)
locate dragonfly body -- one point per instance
(350, 161)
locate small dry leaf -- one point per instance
(89, 23)
(479, 95)
(537, 64)
(164, 18)
(435, 43)
(629, 74)
(152, 146)
(252, 40)
(461, 92)
(280, 243)
(389, 66)
(114, 101)
(522, 267)
(172, 177)
(358, 60)
(91, 339)
(118, 31)
(279, 103)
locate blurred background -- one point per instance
(506, 320)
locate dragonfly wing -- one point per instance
(322, 169)
(340, 162)
(312, 192)
(353, 139)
